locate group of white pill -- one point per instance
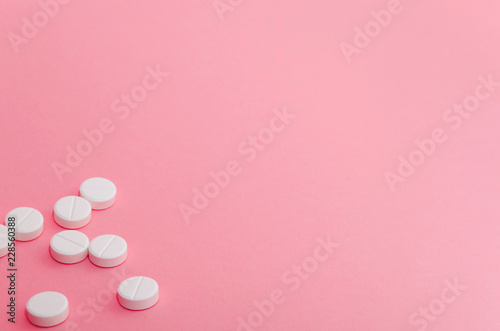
(70, 246)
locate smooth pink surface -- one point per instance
(321, 176)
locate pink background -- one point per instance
(322, 176)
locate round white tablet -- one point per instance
(138, 293)
(47, 309)
(3, 241)
(72, 212)
(100, 192)
(29, 223)
(108, 251)
(69, 246)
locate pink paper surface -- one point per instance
(368, 86)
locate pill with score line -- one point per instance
(72, 212)
(108, 251)
(138, 293)
(28, 223)
(100, 192)
(69, 246)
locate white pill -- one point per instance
(29, 223)
(3, 241)
(47, 309)
(108, 251)
(69, 246)
(100, 192)
(138, 293)
(72, 212)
